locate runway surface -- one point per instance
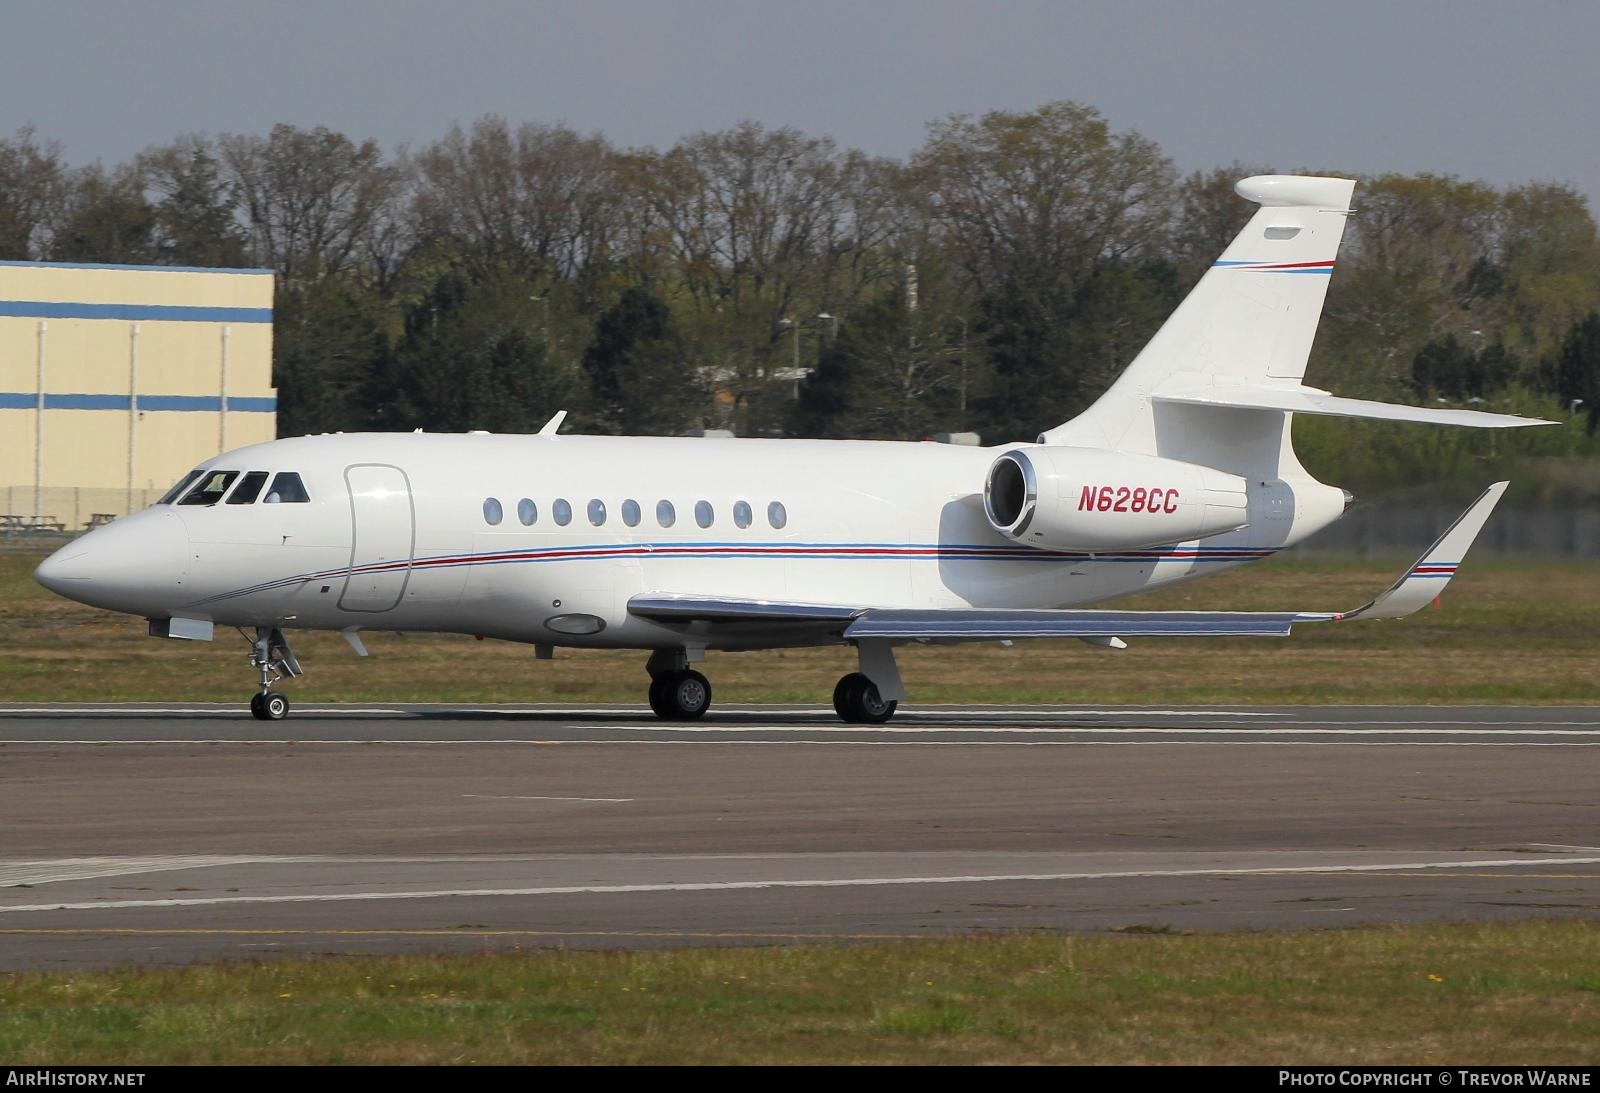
(164, 834)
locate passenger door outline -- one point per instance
(381, 527)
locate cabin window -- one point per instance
(213, 484)
(492, 512)
(288, 489)
(777, 516)
(562, 511)
(527, 512)
(1281, 232)
(630, 513)
(597, 512)
(249, 488)
(703, 513)
(176, 491)
(666, 515)
(741, 514)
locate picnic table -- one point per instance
(15, 522)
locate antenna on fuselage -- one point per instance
(553, 424)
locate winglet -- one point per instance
(1425, 580)
(553, 424)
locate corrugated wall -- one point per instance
(115, 380)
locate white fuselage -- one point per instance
(399, 534)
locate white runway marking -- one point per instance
(801, 741)
(726, 886)
(509, 797)
(26, 873)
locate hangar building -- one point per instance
(115, 380)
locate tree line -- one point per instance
(770, 282)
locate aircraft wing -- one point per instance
(1416, 588)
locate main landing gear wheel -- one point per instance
(856, 700)
(682, 695)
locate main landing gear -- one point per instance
(867, 697)
(677, 692)
(271, 656)
(857, 700)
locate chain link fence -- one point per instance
(1378, 530)
(66, 510)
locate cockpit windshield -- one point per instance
(288, 489)
(213, 484)
(183, 483)
(249, 488)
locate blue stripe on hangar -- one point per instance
(120, 267)
(52, 309)
(249, 404)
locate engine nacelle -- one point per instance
(1060, 498)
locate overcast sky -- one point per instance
(1505, 92)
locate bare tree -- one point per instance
(197, 221)
(310, 197)
(1053, 191)
(104, 217)
(538, 200)
(32, 187)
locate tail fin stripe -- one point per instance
(1247, 262)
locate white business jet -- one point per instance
(679, 545)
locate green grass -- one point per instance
(1508, 631)
(1522, 993)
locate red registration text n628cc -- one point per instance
(1127, 499)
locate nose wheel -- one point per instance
(271, 656)
(269, 706)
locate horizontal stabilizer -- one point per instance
(1310, 400)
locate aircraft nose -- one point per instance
(121, 566)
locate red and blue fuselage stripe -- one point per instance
(853, 551)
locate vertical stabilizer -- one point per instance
(1249, 322)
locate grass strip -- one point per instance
(1521, 993)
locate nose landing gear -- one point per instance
(271, 656)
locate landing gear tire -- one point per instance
(269, 707)
(659, 703)
(856, 700)
(680, 696)
(270, 655)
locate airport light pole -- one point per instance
(544, 318)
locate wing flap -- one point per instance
(980, 624)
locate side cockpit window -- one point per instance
(177, 491)
(213, 484)
(249, 488)
(287, 489)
